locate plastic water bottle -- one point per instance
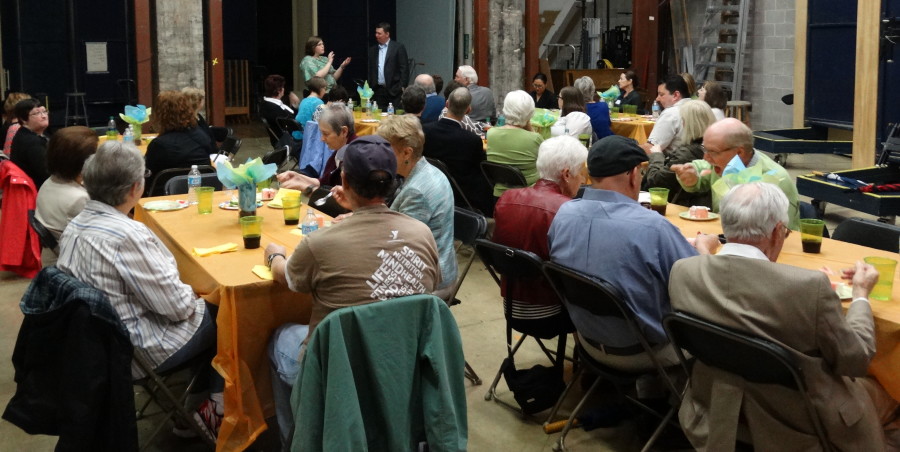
(390, 110)
(112, 133)
(374, 107)
(655, 110)
(128, 136)
(193, 180)
(310, 223)
(368, 107)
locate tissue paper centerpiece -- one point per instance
(136, 116)
(244, 178)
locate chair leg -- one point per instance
(492, 391)
(659, 429)
(561, 443)
(471, 375)
(561, 399)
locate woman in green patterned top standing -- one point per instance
(315, 63)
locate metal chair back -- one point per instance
(178, 185)
(873, 234)
(458, 194)
(752, 358)
(500, 173)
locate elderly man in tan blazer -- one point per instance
(742, 287)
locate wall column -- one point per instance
(179, 44)
(865, 107)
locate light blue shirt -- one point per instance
(610, 236)
(382, 55)
(426, 196)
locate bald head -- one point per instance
(458, 103)
(425, 82)
(732, 133)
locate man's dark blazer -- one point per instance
(396, 68)
(462, 151)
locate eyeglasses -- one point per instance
(711, 152)
(787, 231)
(537, 85)
(38, 113)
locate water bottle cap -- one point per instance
(193, 166)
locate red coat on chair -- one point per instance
(20, 252)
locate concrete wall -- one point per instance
(179, 44)
(505, 44)
(769, 65)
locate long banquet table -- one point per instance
(249, 308)
(638, 129)
(885, 367)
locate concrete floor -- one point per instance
(480, 319)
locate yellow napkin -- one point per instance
(297, 231)
(263, 272)
(276, 201)
(223, 248)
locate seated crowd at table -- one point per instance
(398, 237)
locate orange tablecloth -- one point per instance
(145, 139)
(249, 308)
(365, 128)
(885, 367)
(639, 129)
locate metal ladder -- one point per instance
(720, 55)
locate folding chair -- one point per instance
(273, 136)
(230, 147)
(458, 194)
(280, 156)
(598, 298)
(873, 234)
(468, 226)
(158, 180)
(289, 125)
(44, 235)
(220, 133)
(178, 185)
(159, 392)
(500, 173)
(752, 358)
(537, 321)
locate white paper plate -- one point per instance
(164, 206)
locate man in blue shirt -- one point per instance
(388, 70)
(608, 234)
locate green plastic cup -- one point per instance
(204, 199)
(811, 234)
(659, 199)
(251, 231)
(885, 285)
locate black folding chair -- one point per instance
(752, 358)
(220, 133)
(289, 125)
(500, 173)
(540, 321)
(600, 299)
(280, 156)
(44, 235)
(178, 185)
(873, 234)
(273, 136)
(157, 184)
(230, 147)
(458, 194)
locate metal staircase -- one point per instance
(720, 55)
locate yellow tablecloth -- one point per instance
(145, 140)
(249, 308)
(365, 128)
(885, 367)
(638, 129)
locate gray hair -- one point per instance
(425, 82)
(518, 107)
(586, 86)
(459, 101)
(749, 212)
(111, 171)
(337, 115)
(559, 153)
(469, 73)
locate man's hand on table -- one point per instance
(863, 277)
(275, 259)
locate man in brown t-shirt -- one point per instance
(373, 255)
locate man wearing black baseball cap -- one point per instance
(373, 255)
(608, 234)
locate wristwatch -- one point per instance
(309, 190)
(271, 258)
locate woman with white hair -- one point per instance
(696, 116)
(515, 143)
(597, 111)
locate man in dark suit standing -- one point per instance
(461, 150)
(388, 68)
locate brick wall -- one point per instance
(179, 50)
(769, 63)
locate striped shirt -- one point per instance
(122, 257)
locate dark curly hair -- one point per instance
(173, 111)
